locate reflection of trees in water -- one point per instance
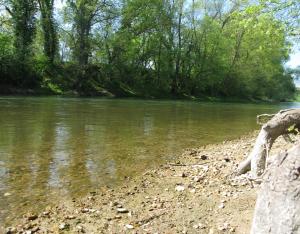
(28, 156)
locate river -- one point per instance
(52, 147)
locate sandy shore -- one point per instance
(196, 194)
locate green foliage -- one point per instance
(150, 48)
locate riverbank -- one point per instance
(130, 94)
(196, 194)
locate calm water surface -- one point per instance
(51, 147)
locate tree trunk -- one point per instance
(278, 204)
(280, 124)
(49, 30)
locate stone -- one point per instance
(32, 217)
(122, 210)
(63, 226)
(85, 210)
(79, 228)
(203, 157)
(223, 227)
(179, 188)
(11, 230)
(129, 226)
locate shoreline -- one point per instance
(212, 99)
(198, 193)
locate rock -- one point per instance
(63, 226)
(203, 157)
(115, 203)
(122, 210)
(85, 210)
(197, 178)
(223, 227)
(28, 226)
(11, 230)
(46, 213)
(90, 198)
(193, 190)
(79, 228)
(129, 226)
(183, 175)
(70, 217)
(35, 229)
(201, 226)
(221, 206)
(179, 188)
(31, 217)
(7, 194)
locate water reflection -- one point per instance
(51, 147)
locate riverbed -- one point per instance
(52, 147)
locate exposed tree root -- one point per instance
(283, 123)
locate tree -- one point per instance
(49, 28)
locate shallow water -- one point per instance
(52, 147)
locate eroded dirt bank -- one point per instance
(196, 194)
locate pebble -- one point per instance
(129, 226)
(11, 230)
(224, 227)
(46, 213)
(122, 210)
(7, 194)
(193, 190)
(32, 217)
(203, 157)
(85, 210)
(197, 178)
(221, 206)
(79, 228)
(63, 226)
(179, 188)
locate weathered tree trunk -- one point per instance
(278, 204)
(280, 124)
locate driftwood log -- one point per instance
(278, 204)
(282, 123)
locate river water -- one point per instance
(52, 147)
